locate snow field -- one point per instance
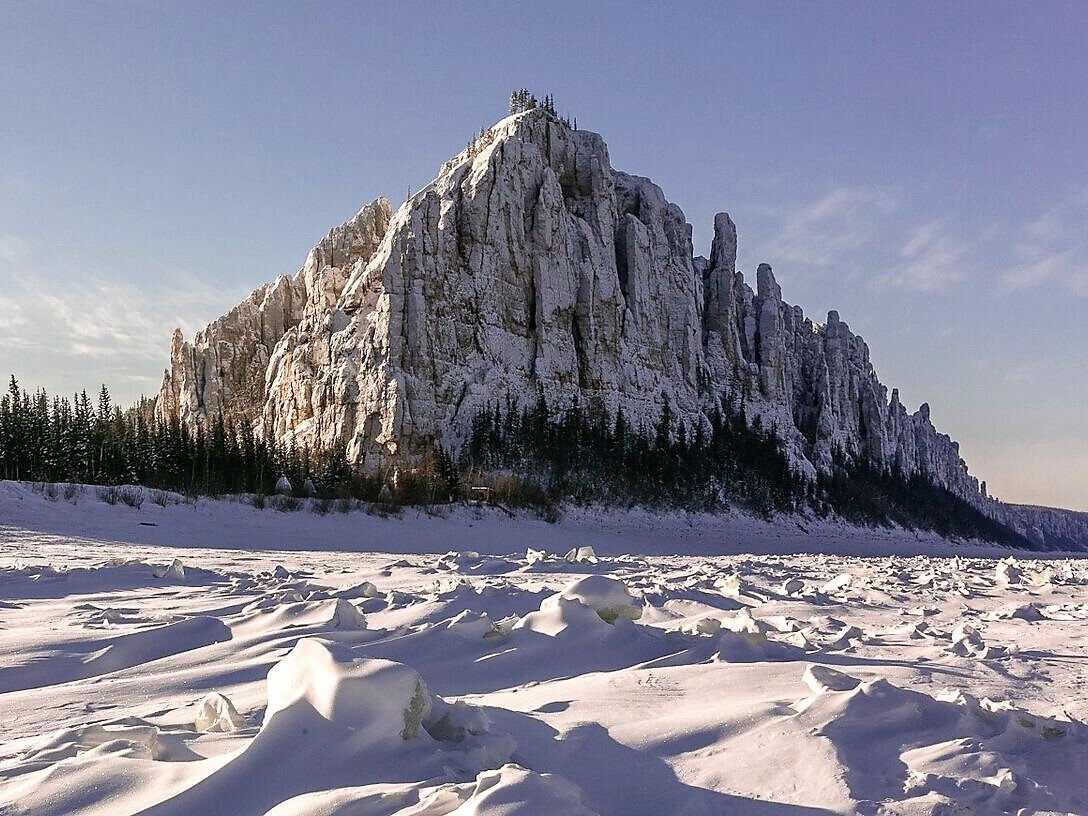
(180, 680)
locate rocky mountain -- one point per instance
(530, 265)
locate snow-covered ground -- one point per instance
(219, 659)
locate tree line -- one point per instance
(525, 455)
(531, 455)
(587, 455)
(47, 438)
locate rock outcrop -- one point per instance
(531, 266)
(225, 368)
(1047, 528)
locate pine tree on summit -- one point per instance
(521, 100)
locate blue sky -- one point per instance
(921, 167)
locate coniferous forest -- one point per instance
(524, 456)
(47, 438)
(587, 456)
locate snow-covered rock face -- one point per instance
(226, 366)
(814, 383)
(1051, 529)
(530, 264)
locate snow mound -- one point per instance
(363, 589)
(347, 616)
(176, 571)
(378, 699)
(912, 748)
(514, 791)
(832, 634)
(702, 626)
(839, 584)
(117, 653)
(333, 721)
(1026, 612)
(753, 647)
(558, 615)
(793, 586)
(967, 642)
(743, 639)
(744, 623)
(131, 738)
(475, 626)
(581, 555)
(470, 561)
(1007, 572)
(821, 678)
(371, 800)
(217, 713)
(98, 617)
(508, 791)
(534, 556)
(608, 597)
(733, 586)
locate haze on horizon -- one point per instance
(918, 167)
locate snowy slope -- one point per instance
(235, 661)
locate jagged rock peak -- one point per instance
(223, 369)
(723, 249)
(530, 265)
(766, 285)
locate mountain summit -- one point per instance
(531, 268)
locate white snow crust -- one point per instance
(213, 659)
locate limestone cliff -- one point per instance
(1047, 528)
(530, 264)
(223, 370)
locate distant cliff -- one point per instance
(1047, 528)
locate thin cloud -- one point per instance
(11, 315)
(1054, 252)
(824, 232)
(96, 318)
(851, 229)
(1019, 374)
(98, 327)
(932, 261)
(12, 249)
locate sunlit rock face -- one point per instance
(226, 366)
(530, 266)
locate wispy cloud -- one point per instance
(97, 318)
(1019, 374)
(824, 232)
(861, 231)
(868, 233)
(51, 321)
(931, 260)
(11, 315)
(12, 249)
(1054, 251)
